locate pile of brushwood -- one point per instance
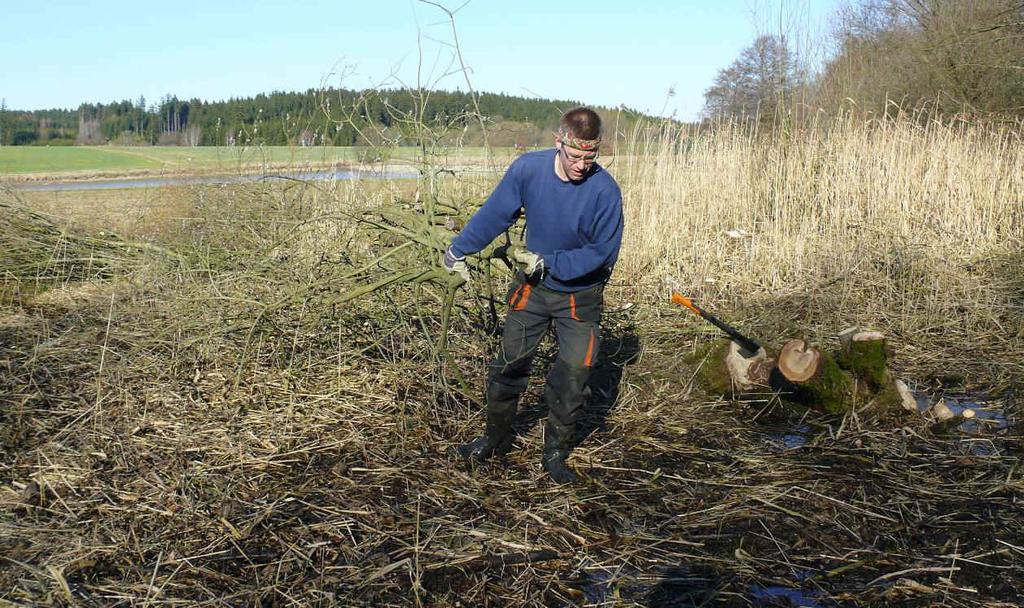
(261, 408)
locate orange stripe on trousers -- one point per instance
(515, 294)
(590, 351)
(572, 307)
(524, 297)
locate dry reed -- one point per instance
(913, 227)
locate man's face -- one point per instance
(575, 163)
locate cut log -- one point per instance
(907, 398)
(748, 373)
(805, 376)
(817, 379)
(941, 411)
(948, 418)
(855, 334)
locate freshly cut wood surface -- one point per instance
(798, 361)
(748, 373)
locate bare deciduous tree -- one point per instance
(759, 83)
(88, 129)
(3, 121)
(954, 55)
(192, 134)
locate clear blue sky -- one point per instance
(59, 53)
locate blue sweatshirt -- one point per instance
(575, 226)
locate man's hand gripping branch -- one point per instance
(455, 264)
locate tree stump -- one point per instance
(864, 354)
(724, 370)
(748, 373)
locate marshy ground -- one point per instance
(205, 421)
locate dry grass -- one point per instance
(162, 447)
(138, 212)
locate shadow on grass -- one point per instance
(619, 348)
(678, 586)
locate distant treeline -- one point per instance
(336, 117)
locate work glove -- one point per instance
(455, 264)
(531, 263)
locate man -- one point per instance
(573, 231)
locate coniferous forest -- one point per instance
(338, 117)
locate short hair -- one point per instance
(581, 123)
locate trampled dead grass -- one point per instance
(213, 424)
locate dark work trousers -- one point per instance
(576, 319)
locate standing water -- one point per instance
(216, 180)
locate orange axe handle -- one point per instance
(749, 346)
(682, 300)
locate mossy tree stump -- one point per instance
(748, 374)
(725, 370)
(816, 379)
(865, 355)
(804, 375)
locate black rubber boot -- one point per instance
(554, 464)
(495, 442)
(556, 450)
(485, 447)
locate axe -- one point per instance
(748, 348)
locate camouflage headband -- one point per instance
(576, 142)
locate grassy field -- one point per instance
(197, 411)
(25, 161)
